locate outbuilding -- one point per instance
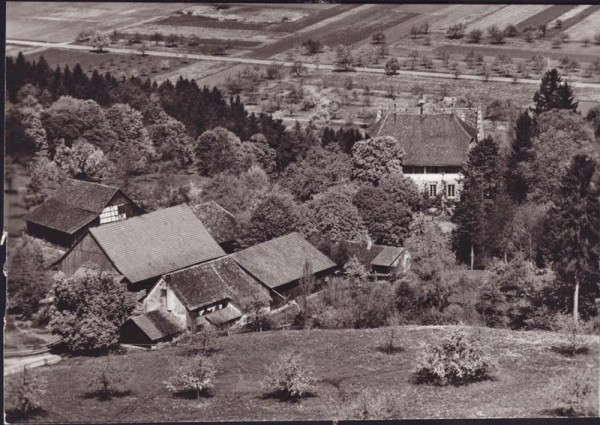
(389, 259)
(150, 328)
(76, 206)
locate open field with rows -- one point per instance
(62, 21)
(345, 363)
(586, 28)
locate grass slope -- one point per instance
(345, 361)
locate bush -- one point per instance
(367, 405)
(289, 379)
(195, 379)
(474, 36)
(23, 395)
(571, 332)
(106, 382)
(578, 394)
(457, 359)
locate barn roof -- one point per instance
(157, 325)
(74, 204)
(434, 140)
(281, 260)
(387, 256)
(221, 224)
(156, 243)
(223, 315)
(208, 283)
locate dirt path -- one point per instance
(308, 65)
(16, 364)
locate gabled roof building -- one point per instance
(75, 207)
(279, 263)
(437, 144)
(144, 248)
(221, 224)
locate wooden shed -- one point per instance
(144, 248)
(76, 206)
(389, 259)
(279, 264)
(150, 328)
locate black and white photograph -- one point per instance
(301, 211)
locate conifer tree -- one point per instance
(520, 152)
(573, 227)
(553, 94)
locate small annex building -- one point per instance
(221, 224)
(144, 248)
(436, 144)
(75, 207)
(218, 291)
(150, 328)
(389, 259)
(279, 264)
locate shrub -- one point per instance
(387, 343)
(366, 405)
(578, 394)
(456, 31)
(106, 382)
(289, 379)
(23, 395)
(474, 36)
(571, 332)
(456, 359)
(195, 379)
(207, 339)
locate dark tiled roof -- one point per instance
(160, 242)
(75, 204)
(215, 281)
(157, 325)
(387, 256)
(223, 315)
(434, 140)
(281, 260)
(221, 224)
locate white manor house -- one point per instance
(436, 142)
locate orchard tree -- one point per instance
(392, 66)
(343, 58)
(89, 310)
(172, 142)
(375, 158)
(99, 41)
(83, 161)
(378, 37)
(553, 94)
(573, 229)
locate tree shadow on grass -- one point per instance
(193, 395)
(424, 379)
(568, 350)
(389, 350)
(284, 397)
(192, 352)
(13, 416)
(560, 411)
(106, 396)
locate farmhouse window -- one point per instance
(451, 190)
(113, 213)
(432, 189)
(163, 293)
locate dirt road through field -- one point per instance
(308, 65)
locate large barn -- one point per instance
(75, 207)
(279, 264)
(144, 248)
(218, 291)
(436, 144)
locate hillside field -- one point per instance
(345, 362)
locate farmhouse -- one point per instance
(221, 224)
(144, 248)
(388, 260)
(279, 264)
(219, 292)
(436, 144)
(75, 207)
(150, 328)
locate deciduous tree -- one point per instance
(374, 158)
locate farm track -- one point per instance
(251, 61)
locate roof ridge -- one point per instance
(88, 186)
(462, 125)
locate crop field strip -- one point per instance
(545, 16)
(517, 53)
(460, 13)
(586, 27)
(513, 14)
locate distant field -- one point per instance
(460, 13)
(513, 14)
(345, 362)
(587, 28)
(62, 21)
(117, 64)
(544, 17)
